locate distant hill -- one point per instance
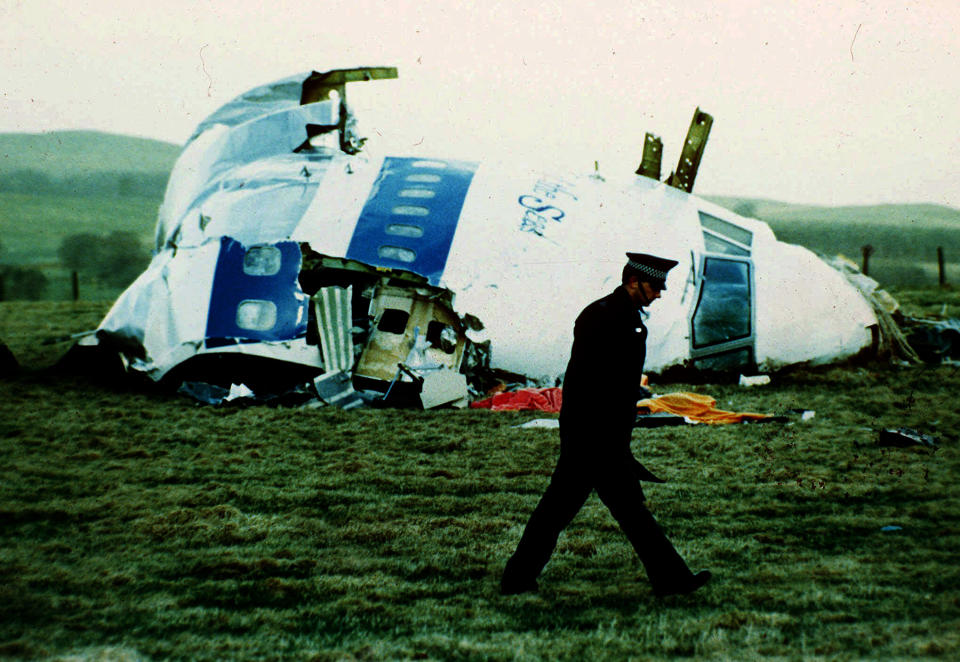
(899, 215)
(904, 237)
(88, 163)
(57, 184)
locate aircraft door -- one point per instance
(723, 321)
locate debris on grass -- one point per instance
(905, 437)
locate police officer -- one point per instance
(600, 392)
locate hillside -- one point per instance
(58, 184)
(61, 184)
(67, 153)
(84, 163)
(904, 237)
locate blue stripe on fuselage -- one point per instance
(411, 197)
(232, 286)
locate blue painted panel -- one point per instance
(425, 193)
(231, 287)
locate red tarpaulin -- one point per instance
(540, 399)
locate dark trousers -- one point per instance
(619, 490)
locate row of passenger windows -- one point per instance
(411, 229)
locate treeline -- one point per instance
(103, 183)
(113, 260)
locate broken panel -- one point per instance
(692, 152)
(411, 327)
(652, 156)
(334, 321)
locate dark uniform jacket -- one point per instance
(602, 382)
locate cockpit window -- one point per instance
(723, 311)
(720, 236)
(715, 244)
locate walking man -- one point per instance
(600, 393)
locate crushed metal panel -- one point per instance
(406, 322)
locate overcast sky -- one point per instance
(813, 102)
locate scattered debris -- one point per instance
(755, 380)
(544, 423)
(336, 388)
(935, 341)
(661, 419)
(904, 437)
(210, 394)
(891, 527)
(237, 392)
(806, 415)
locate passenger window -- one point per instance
(262, 261)
(723, 311)
(397, 253)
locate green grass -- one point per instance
(34, 226)
(72, 154)
(133, 522)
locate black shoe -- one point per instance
(509, 588)
(688, 586)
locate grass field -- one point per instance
(137, 525)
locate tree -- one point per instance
(122, 258)
(27, 283)
(80, 252)
(115, 259)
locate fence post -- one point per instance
(75, 283)
(941, 266)
(867, 251)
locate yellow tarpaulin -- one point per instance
(696, 407)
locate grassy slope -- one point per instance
(70, 153)
(57, 184)
(905, 237)
(140, 522)
(34, 226)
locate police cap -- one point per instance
(651, 268)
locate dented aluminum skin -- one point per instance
(265, 209)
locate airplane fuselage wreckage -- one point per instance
(285, 253)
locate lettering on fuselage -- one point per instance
(541, 208)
